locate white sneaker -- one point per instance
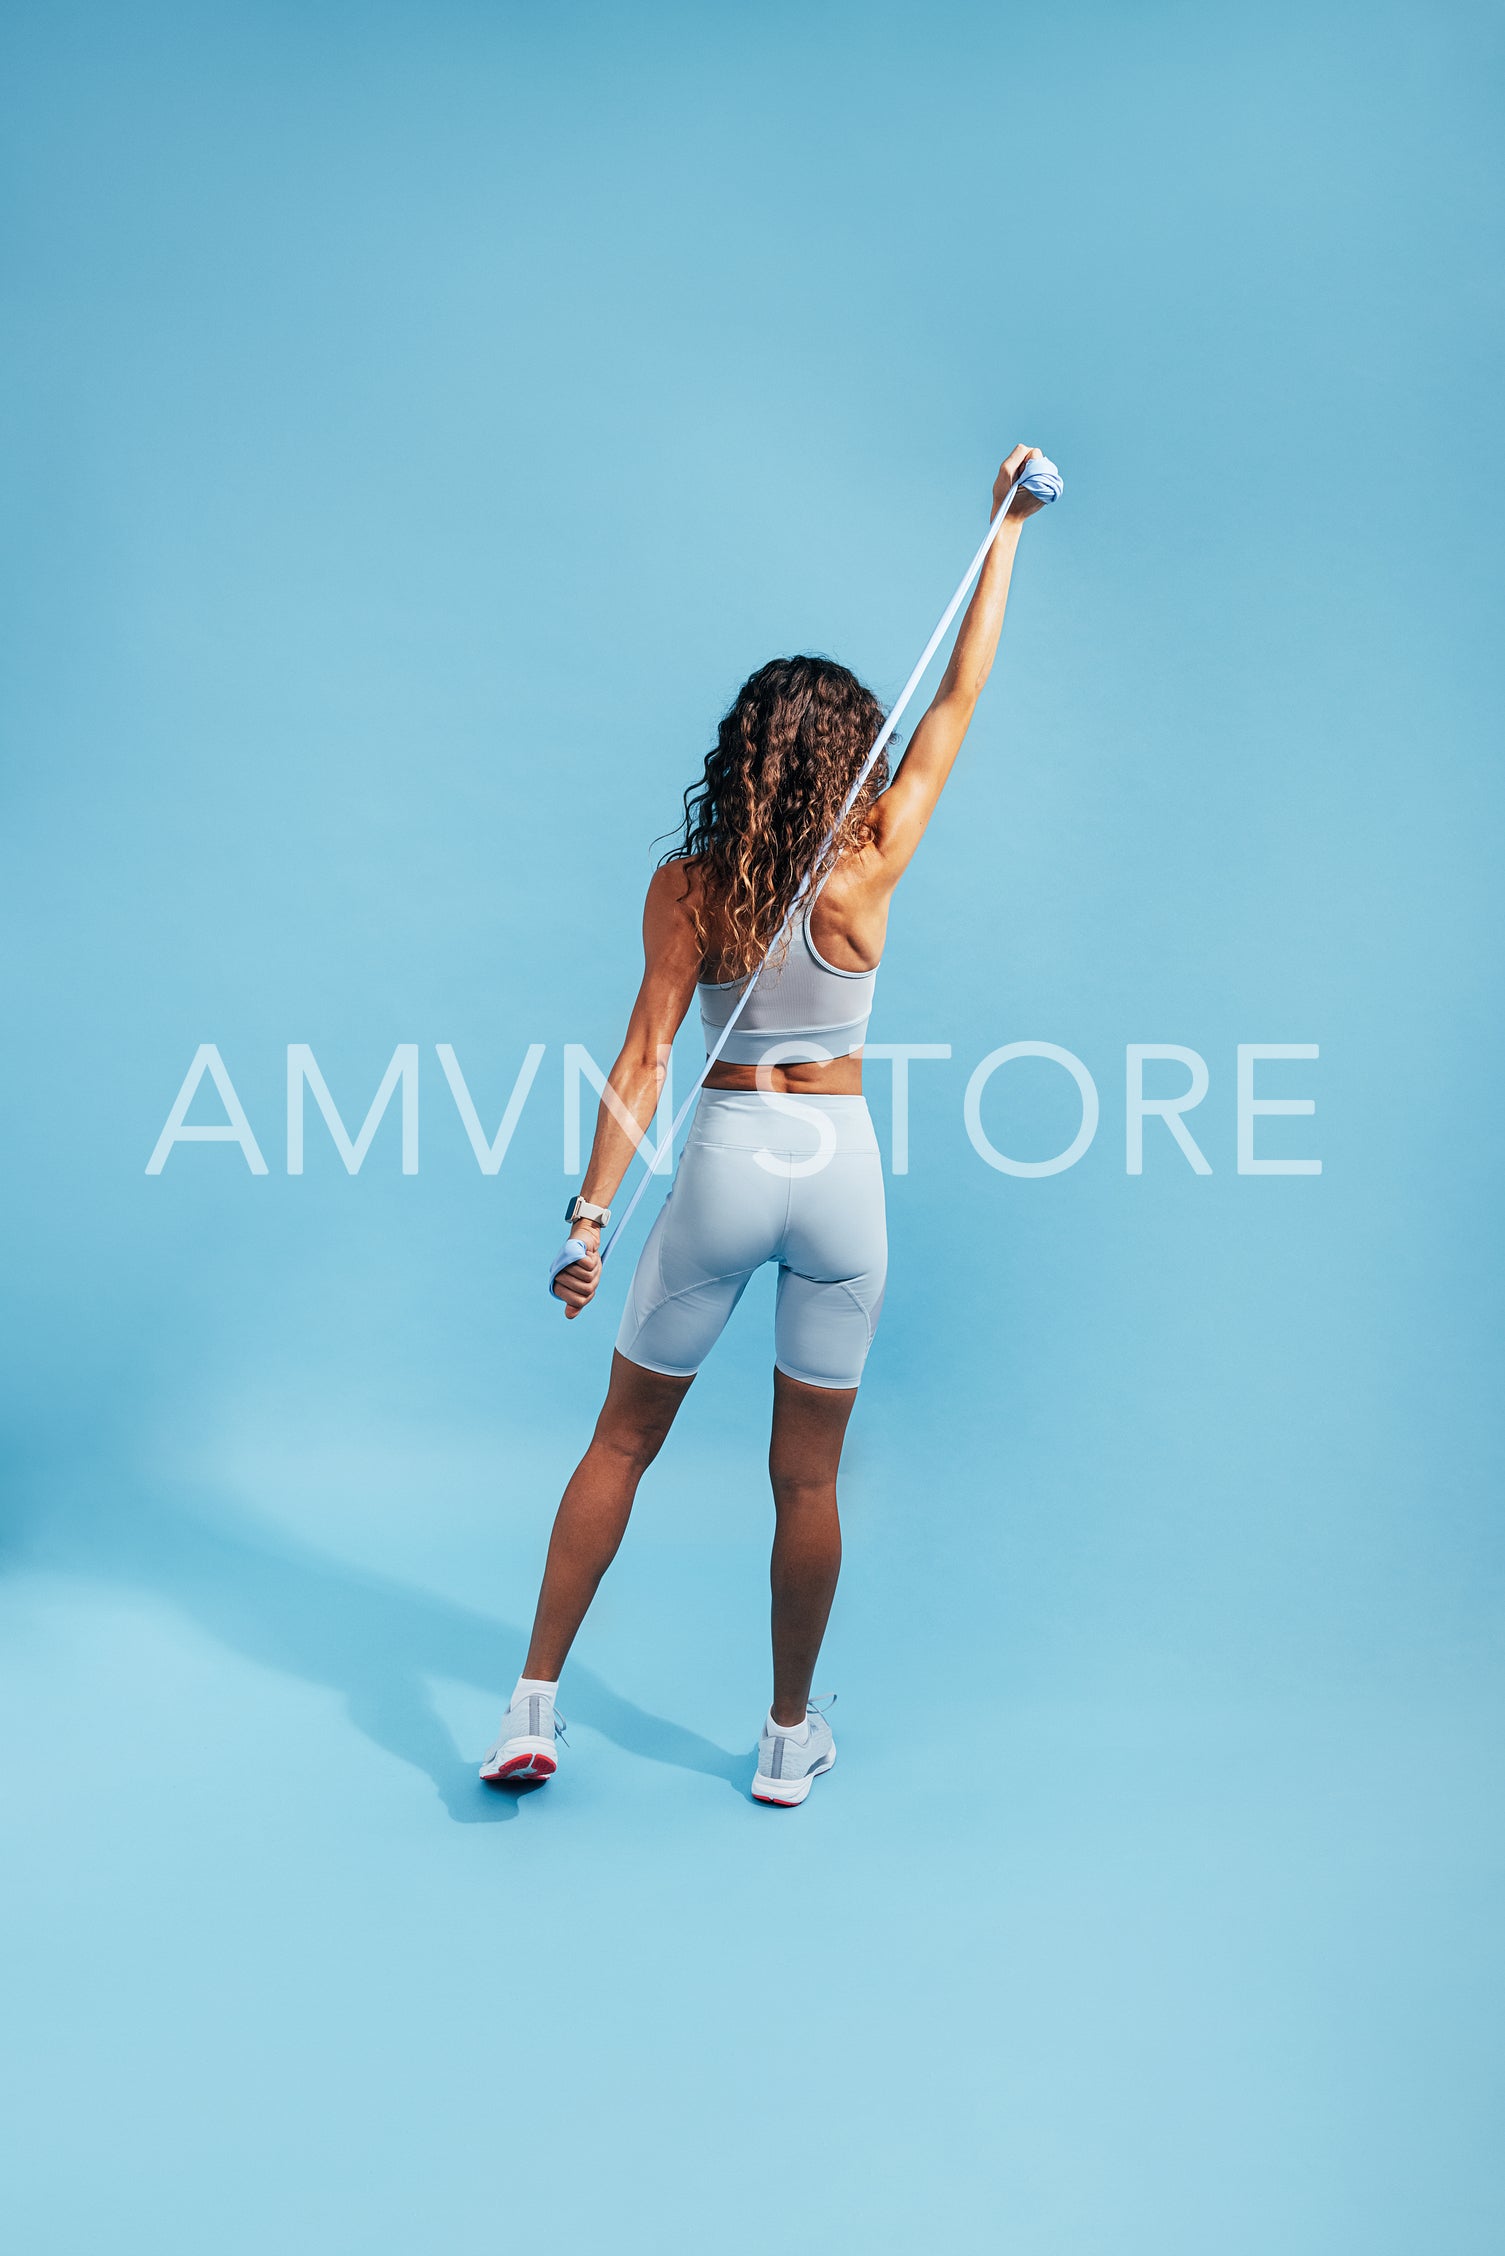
(524, 1747)
(787, 1768)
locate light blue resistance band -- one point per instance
(1042, 481)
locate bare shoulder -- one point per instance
(884, 817)
(849, 917)
(669, 912)
(673, 891)
(865, 876)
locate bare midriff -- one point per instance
(833, 1077)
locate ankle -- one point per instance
(787, 1715)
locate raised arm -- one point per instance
(900, 815)
(671, 966)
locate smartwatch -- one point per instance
(581, 1210)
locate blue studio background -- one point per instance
(420, 418)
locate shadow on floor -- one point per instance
(378, 1643)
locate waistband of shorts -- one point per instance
(747, 1120)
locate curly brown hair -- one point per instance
(785, 757)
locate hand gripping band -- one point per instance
(1042, 481)
(573, 1250)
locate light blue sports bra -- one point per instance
(801, 1008)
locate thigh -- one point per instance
(721, 1221)
(835, 1265)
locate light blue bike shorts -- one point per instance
(796, 1180)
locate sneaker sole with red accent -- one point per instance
(519, 1770)
(782, 1793)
